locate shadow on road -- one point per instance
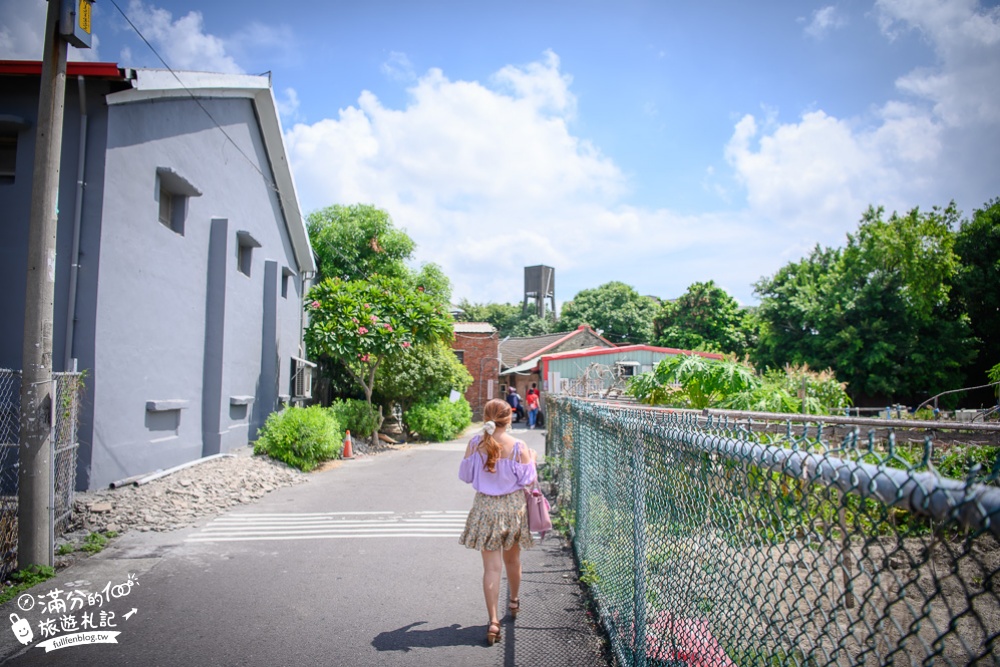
(406, 638)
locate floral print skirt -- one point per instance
(497, 522)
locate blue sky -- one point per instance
(650, 142)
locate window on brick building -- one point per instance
(460, 354)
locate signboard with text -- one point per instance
(74, 22)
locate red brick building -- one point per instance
(476, 346)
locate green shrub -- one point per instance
(24, 579)
(356, 416)
(301, 437)
(439, 420)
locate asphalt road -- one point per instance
(359, 566)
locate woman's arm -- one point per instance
(473, 445)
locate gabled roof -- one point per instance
(600, 351)
(153, 84)
(513, 351)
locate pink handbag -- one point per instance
(538, 510)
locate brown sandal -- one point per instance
(515, 606)
(492, 637)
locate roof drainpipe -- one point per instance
(69, 363)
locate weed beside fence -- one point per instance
(707, 543)
(67, 394)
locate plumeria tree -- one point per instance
(364, 322)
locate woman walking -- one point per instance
(498, 467)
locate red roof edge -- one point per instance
(595, 351)
(74, 68)
(580, 328)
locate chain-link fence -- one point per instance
(706, 543)
(10, 397)
(67, 394)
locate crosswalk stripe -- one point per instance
(343, 529)
(300, 514)
(332, 525)
(317, 537)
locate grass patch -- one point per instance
(24, 579)
(94, 543)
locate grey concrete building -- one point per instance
(182, 259)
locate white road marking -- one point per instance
(330, 525)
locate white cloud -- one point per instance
(183, 43)
(966, 39)
(824, 20)
(489, 179)
(820, 172)
(398, 67)
(542, 84)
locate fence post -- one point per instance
(53, 445)
(639, 549)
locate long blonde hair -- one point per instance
(498, 412)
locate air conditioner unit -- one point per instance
(302, 380)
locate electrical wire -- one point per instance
(267, 181)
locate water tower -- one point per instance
(539, 284)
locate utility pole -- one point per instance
(34, 496)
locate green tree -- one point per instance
(428, 372)
(508, 319)
(364, 322)
(358, 241)
(706, 318)
(617, 309)
(431, 280)
(977, 287)
(877, 312)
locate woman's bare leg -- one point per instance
(492, 568)
(512, 563)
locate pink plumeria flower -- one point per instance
(315, 304)
(362, 331)
(406, 343)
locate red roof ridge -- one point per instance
(590, 351)
(576, 331)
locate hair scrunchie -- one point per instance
(489, 427)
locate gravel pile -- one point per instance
(177, 500)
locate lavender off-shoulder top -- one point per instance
(510, 474)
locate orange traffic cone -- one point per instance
(348, 452)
